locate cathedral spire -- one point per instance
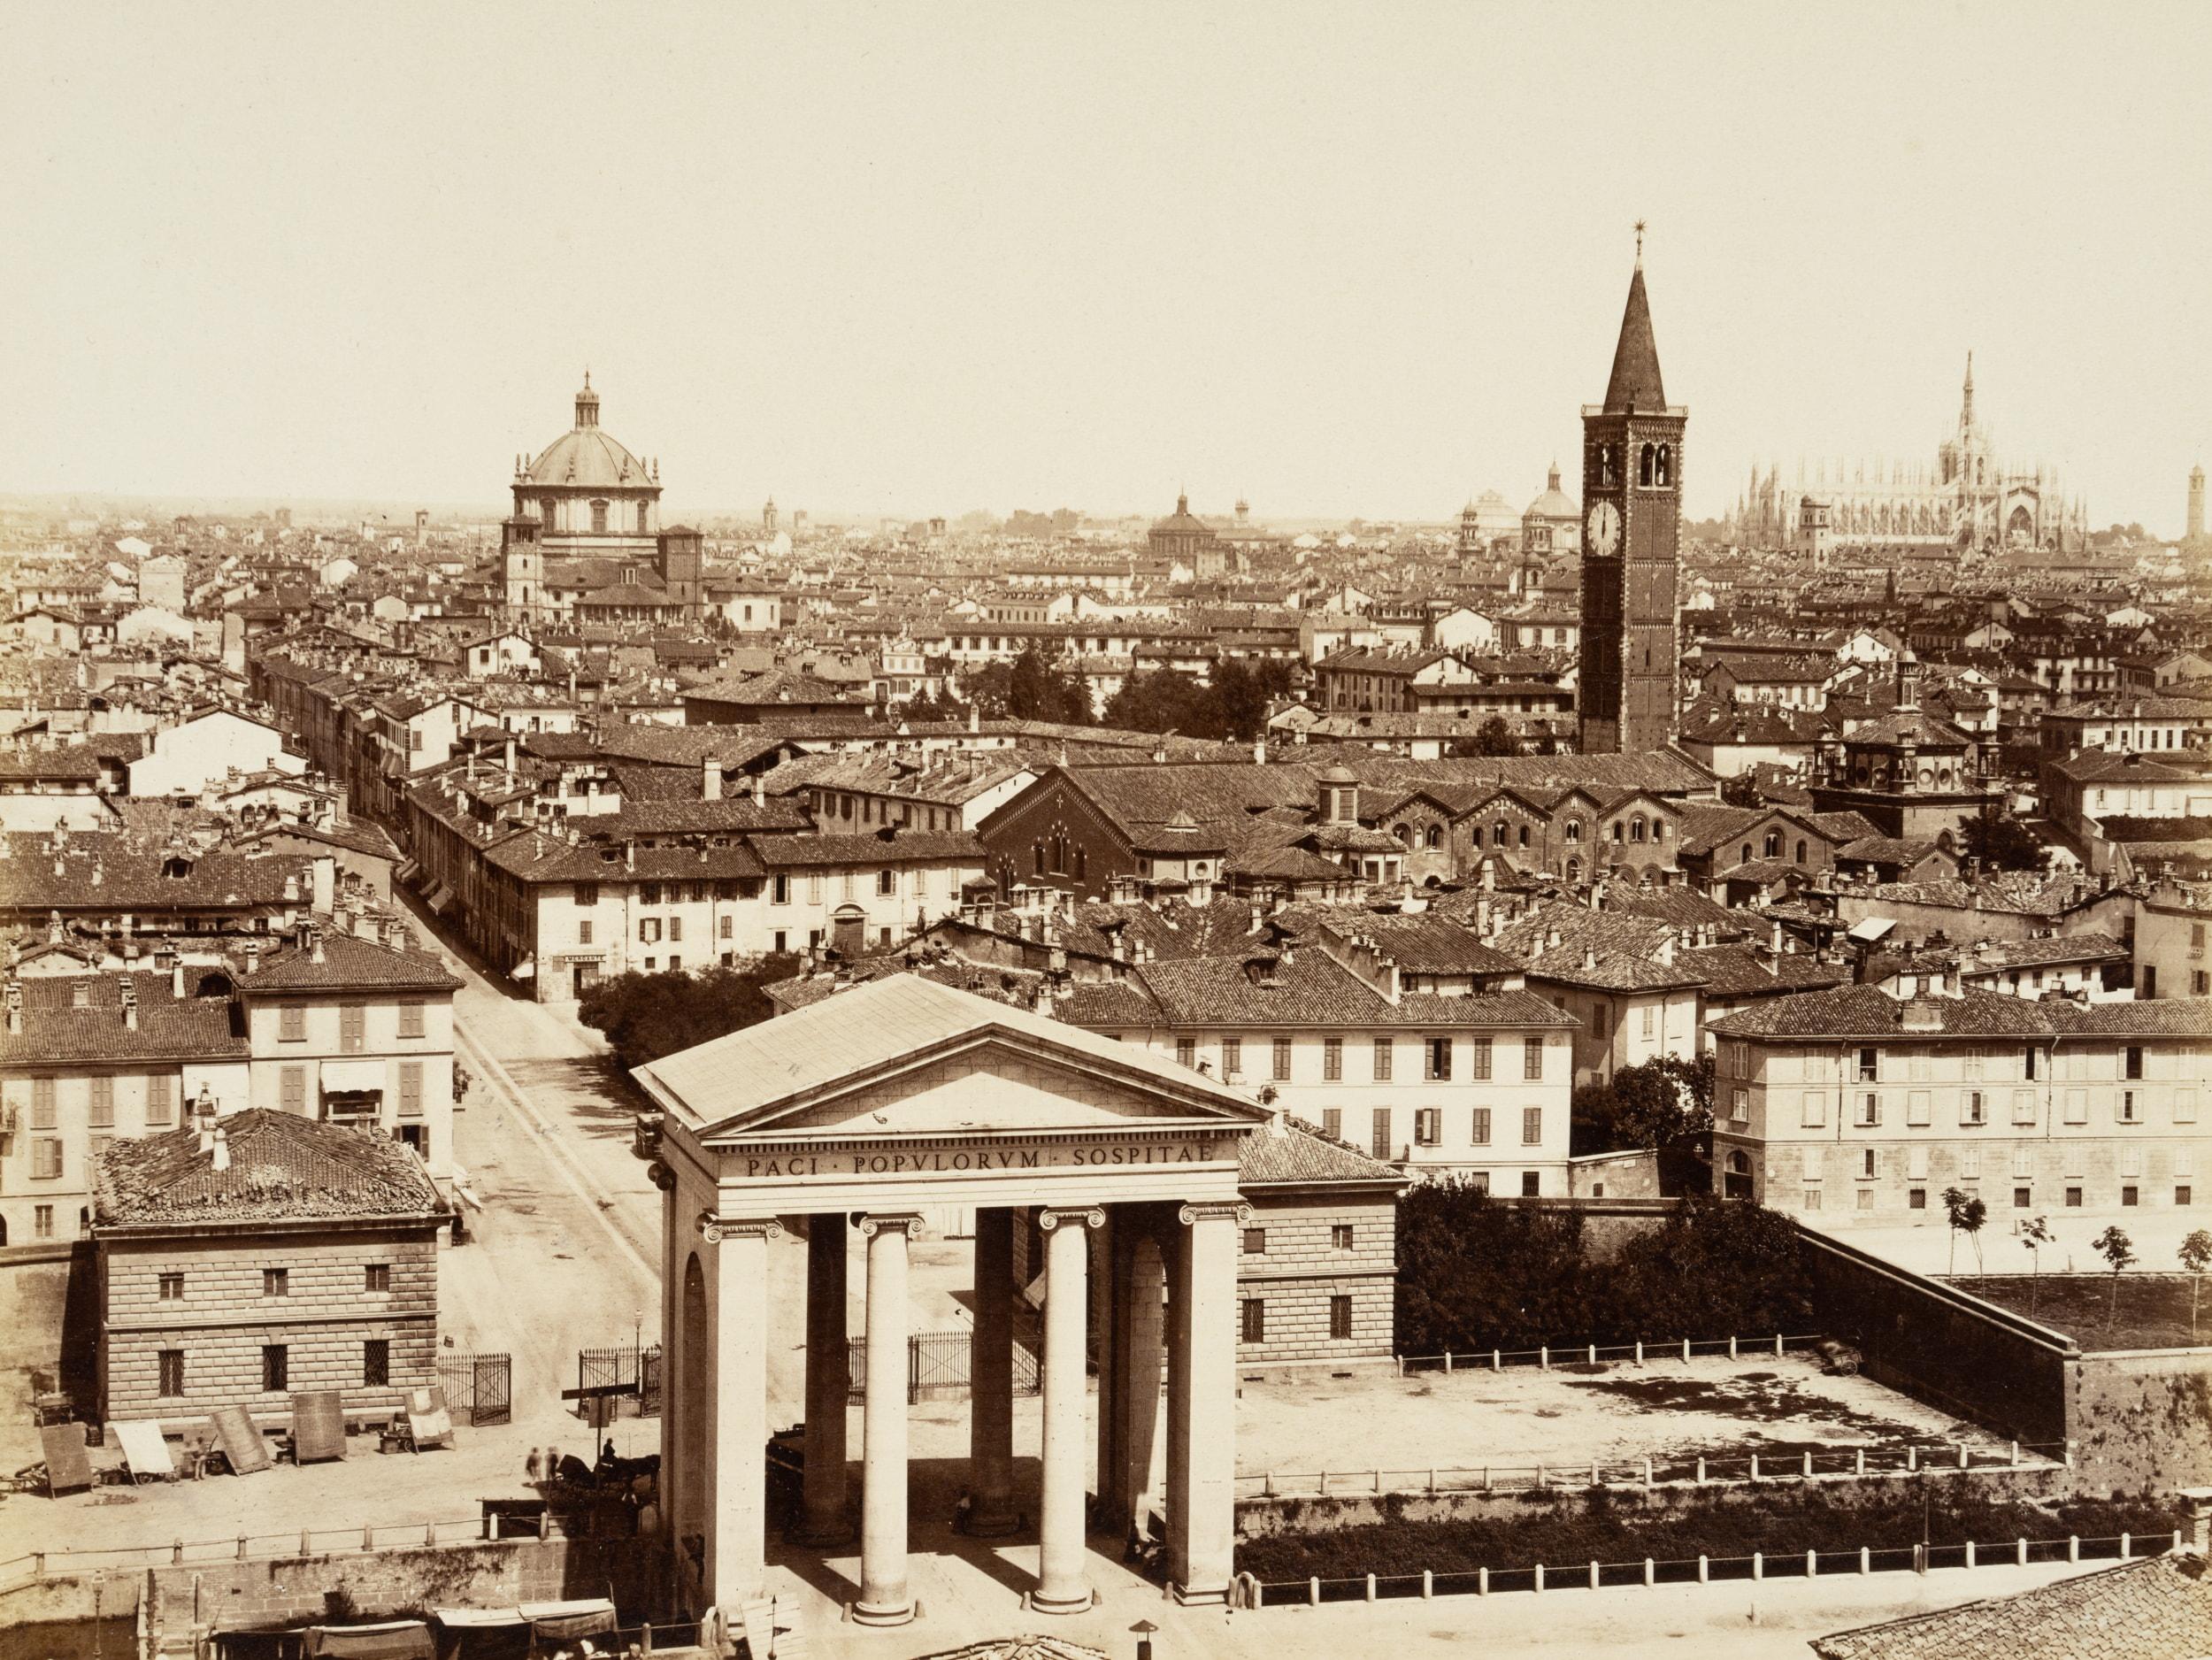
(1966, 411)
(1634, 383)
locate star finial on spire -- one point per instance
(1640, 245)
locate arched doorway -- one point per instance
(1736, 1178)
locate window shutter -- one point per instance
(411, 1089)
(103, 1101)
(294, 1089)
(411, 1019)
(41, 1103)
(158, 1100)
(352, 1028)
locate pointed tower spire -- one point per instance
(1966, 411)
(1634, 383)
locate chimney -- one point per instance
(253, 957)
(1259, 753)
(710, 779)
(176, 980)
(218, 1146)
(15, 1007)
(760, 790)
(975, 718)
(2200, 1519)
(291, 889)
(128, 989)
(629, 855)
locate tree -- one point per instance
(2035, 1236)
(2001, 842)
(1160, 699)
(1495, 737)
(647, 1016)
(1664, 1104)
(2196, 1256)
(2119, 1250)
(1029, 689)
(1966, 1214)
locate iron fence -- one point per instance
(598, 1368)
(1696, 1571)
(479, 1389)
(942, 1364)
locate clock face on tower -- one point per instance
(1605, 530)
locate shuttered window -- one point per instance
(1381, 1145)
(411, 1019)
(1532, 1058)
(411, 1089)
(352, 1028)
(102, 1103)
(293, 1089)
(41, 1103)
(292, 1023)
(1482, 1059)
(160, 1101)
(1482, 1126)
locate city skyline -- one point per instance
(880, 264)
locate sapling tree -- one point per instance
(2119, 1250)
(1966, 1214)
(2035, 1236)
(2196, 1256)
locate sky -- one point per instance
(1355, 260)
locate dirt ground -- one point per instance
(2151, 1311)
(1472, 1419)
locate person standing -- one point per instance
(533, 1468)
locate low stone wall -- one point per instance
(1940, 1345)
(1268, 1518)
(396, 1584)
(2140, 1418)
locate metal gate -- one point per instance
(942, 1364)
(479, 1389)
(598, 1367)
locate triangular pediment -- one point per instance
(905, 1054)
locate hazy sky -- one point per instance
(1360, 259)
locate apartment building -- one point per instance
(1865, 1105)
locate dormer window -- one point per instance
(176, 867)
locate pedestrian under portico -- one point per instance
(873, 1109)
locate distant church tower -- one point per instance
(2194, 535)
(768, 517)
(1631, 493)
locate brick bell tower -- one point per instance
(1632, 495)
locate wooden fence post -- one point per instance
(1812, 1564)
(1704, 1570)
(1866, 1560)
(1732, 1348)
(1448, 1363)
(1313, 1590)
(1370, 1588)
(1482, 1582)
(1647, 1481)
(1428, 1583)
(1860, 1467)
(1700, 1471)
(1594, 1354)
(1639, 1351)
(2073, 1547)
(1497, 1361)
(2020, 1553)
(1651, 1575)
(2127, 1546)
(1777, 1345)
(1686, 1351)
(1758, 1564)
(1543, 1358)
(1594, 1573)
(1539, 1576)
(1912, 1460)
(1970, 1553)
(1754, 1466)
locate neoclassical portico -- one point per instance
(875, 1110)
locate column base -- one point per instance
(981, 1525)
(1081, 1602)
(900, 1613)
(1189, 1595)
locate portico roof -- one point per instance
(761, 1078)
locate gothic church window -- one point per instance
(1647, 462)
(1663, 466)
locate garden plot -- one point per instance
(1672, 1411)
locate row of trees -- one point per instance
(1665, 1105)
(1232, 703)
(1476, 1273)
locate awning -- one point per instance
(407, 870)
(368, 1077)
(393, 1640)
(440, 899)
(583, 1619)
(527, 969)
(476, 1619)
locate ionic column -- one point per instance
(884, 1600)
(737, 1517)
(991, 1417)
(828, 1384)
(1202, 1455)
(1061, 1587)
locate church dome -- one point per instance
(1554, 503)
(588, 456)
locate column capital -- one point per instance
(907, 1222)
(1050, 1216)
(714, 1229)
(1214, 1210)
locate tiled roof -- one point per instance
(779, 851)
(1313, 990)
(55, 1029)
(2156, 1609)
(1744, 971)
(118, 872)
(1603, 949)
(1427, 943)
(1865, 1011)
(348, 964)
(281, 1166)
(1298, 1155)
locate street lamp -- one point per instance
(1144, 1628)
